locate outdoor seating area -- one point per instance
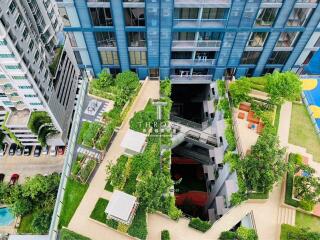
(245, 113)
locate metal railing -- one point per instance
(194, 44)
(53, 231)
(218, 2)
(199, 22)
(191, 77)
(188, 62)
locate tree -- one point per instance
(239, 90)
(151, 188)
(41, 222)
(127, 81)
(165, 87)
(307, 188)
(283, 86)
(221, 88)
(116, 172)
(264, 166)
(21, 206)
(104, 81)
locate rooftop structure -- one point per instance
(121, 207)
(133, 142)
(18, 118)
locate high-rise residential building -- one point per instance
(38, 70)
(193, 40)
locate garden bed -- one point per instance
(304, 220)
(289, 188)
(66, 234)
(86, 170)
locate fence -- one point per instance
(53, 231)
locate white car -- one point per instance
(53, 151)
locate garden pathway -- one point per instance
(81, 222)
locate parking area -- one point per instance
(26, 166)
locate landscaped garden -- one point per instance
(302, 187)
(66, 234)
(242, 233)
(308, 221)
(33, 200)
(302, 132)
(263, 165)
(289, 232)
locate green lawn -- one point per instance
(72, 198)
(98, 211)
(25, 224)
(308, 221)
(69, 235)
(302, 132)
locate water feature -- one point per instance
(6, 217)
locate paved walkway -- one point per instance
(80, 222)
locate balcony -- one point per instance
(202, 3)
(208, 45)
(193, 62)
(14, 98)
(199, 23)
(196, 79)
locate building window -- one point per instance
(36, 103)
(101, 16)
(78, 57)
(109, 58)
(257, 39)
(208, 36)
(214, 13)
(138, 57)
(19, 21)
(25, 87)
(186, 13)
(20, 77)
(299, 17)
(184, 36)
(72, 39)
(266, 16)
(250, 57)
(31, 44)
(287, 39)
(12, 67)
(106, 39)
(134, 16)
(7, 103)
(136, 39)
(12, 7)
(181, 55)
(309, 57)
(279, 57)
(317, 44)
(30, 95)
(64, 15)
(36, 56)
(3, 42)
(25, 33)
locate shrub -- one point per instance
(165, 87)
(90, 136)
(289, 232)
(66, 234)
(41, 221)
(84, 128)
(115, 172)
(200, 225)
(228, 235)
(165, 235)
(98, 213)
(289, 188)
(112, 223)
(86, 171)
(229, 134)
(306, 205)
(239, 90)
(138, 227)
(221, 88)
(244, 233)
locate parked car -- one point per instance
(14, 179)
(3, 149)
(2, 177)
(27, 150)
(45, 150)
(53, 151)
(37, 151)
(19, 151)
(61, 150)
(12, 149)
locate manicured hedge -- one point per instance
(289, 188)
(165, 235)
(138, 227)
(200, 225)
(98, 211)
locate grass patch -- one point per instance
(138, 227)
(25, 224)
(71, 200)
(130, 186)
(277, 118)
(289, 232)
(98, 211)
(302, 132)
(108, 186)
(66, 234)
(289, 187)
(307, 221)
(258, 195)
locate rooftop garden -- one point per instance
(122, 90)
(7, 130)
(302, 187)
(66, 234)
(41, 125)
(242, 233)
(55, 61)
(300, 119)
(264, 164)
(33, 200)
(304, 220)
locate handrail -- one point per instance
(53, 231)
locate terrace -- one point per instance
(18, 118)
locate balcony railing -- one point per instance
(193, 62)
(214, 23)
(197, 2)
(191, 78)
(196, 44)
